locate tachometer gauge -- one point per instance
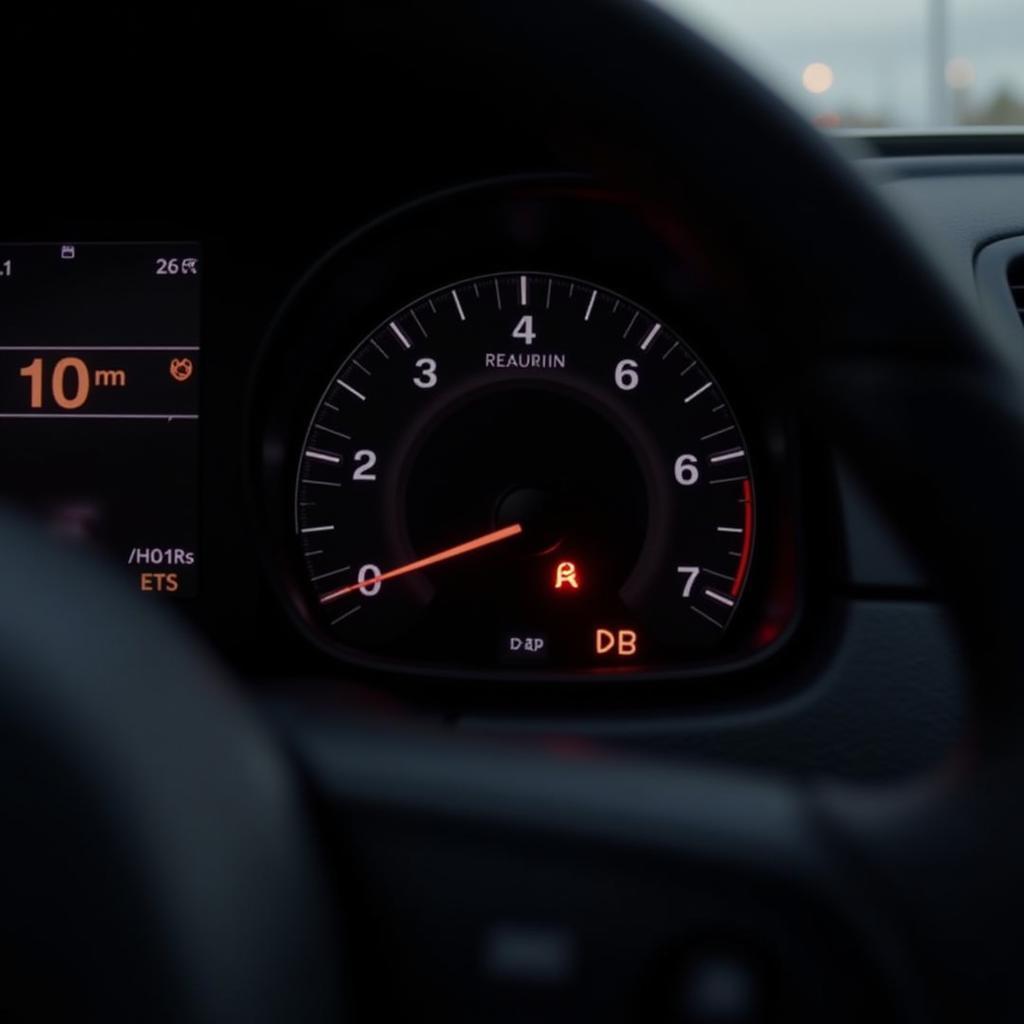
(524, 472)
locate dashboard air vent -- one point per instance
(1015, 277)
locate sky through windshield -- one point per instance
(879, 63)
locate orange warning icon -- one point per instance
(611, 641)
(565, 576)
(181, 369)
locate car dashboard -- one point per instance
(508, 452)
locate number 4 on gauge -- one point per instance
(524, 330)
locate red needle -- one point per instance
(422, 563)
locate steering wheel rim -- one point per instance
(865, 297)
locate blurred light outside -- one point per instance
(959, 73)
(890, 63)
(818, 78)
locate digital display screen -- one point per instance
(99, 400)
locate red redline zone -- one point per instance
(748, 540)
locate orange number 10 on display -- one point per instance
(70, 381)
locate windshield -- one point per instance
(879, 63)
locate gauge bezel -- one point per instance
(631, 423)
(533, 225)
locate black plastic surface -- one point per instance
(888, 703)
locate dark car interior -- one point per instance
(503, 521)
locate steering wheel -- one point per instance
(169, 855)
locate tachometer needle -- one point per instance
(441, 556)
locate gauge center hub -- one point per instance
(541, 514)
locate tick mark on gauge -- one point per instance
(322, 456)
(547, 299)
(400, 335)
(348, 387)
(651, 335)
(336, 433)
(675, 345)
(720, 598)
(359, 365)
(704, 615)
(522, 290)
(419, 323)
(729, 480)
(590, 305)
(379, 349)
(345, 615)
(698, 392)
(321, 483)
(729, 529)
(316, 529)
(458, 305)
(720, 575)
(629, 326)
(733, 453)
(689, 368)
(497, 292)
(333, 572)
(715, 433)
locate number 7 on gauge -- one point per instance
(691, 572)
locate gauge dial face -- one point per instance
(524, 473)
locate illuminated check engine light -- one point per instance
(567, 576)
